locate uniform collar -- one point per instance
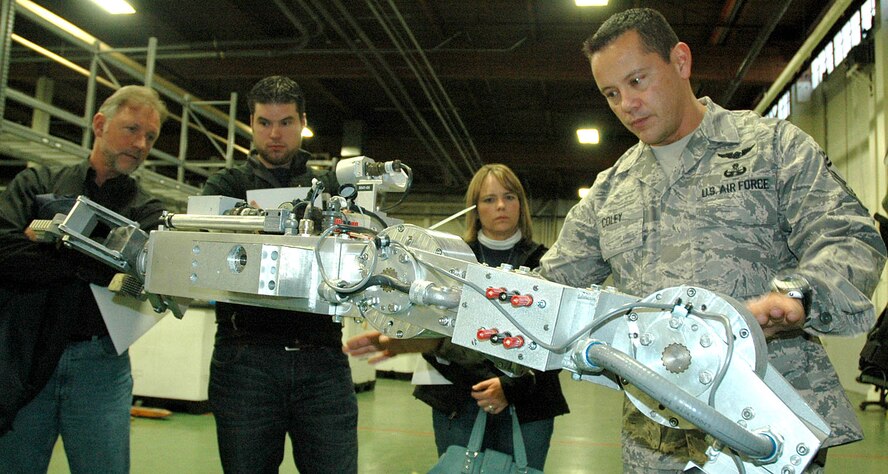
(717, 130)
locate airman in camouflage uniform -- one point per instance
(746, 198)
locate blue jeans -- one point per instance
(260, 393)
(87, 401)
(497, 433)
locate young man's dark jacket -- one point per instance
(254, 324)
(45, 299)
(536, 396)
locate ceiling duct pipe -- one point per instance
(753, 53)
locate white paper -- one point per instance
(274, 197)
(425, 374)
(126, 318)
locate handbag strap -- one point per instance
(477, 436)
(519, 453)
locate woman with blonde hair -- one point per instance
(500, 225)
(499, 231)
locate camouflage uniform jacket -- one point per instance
(753, 196)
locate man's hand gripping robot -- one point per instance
(685, 356)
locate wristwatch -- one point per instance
(793, 286)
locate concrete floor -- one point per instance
(395, 436)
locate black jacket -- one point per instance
(254, 324)
(536, 396)
(45, 299)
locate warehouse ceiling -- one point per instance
(442, 85)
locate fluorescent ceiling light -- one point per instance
(56, 20)
(588, 136)
(583, 192)
(116, 7)
(591, 3)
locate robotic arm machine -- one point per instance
(685, 356)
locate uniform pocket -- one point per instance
(746, 201)
(621, 230)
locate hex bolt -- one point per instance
(705, 377)
(674, 323)
(744, 333)
(748, 413)
(646, 339)
(673, 422)
(633, 317)
(705, 341)
(787, 470)
(802, 449)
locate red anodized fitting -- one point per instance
(494, 293)
(522, 300)
(513, 342)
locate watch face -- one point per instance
(790, 282)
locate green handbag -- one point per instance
(470, 459)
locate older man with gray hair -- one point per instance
(59, 371)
